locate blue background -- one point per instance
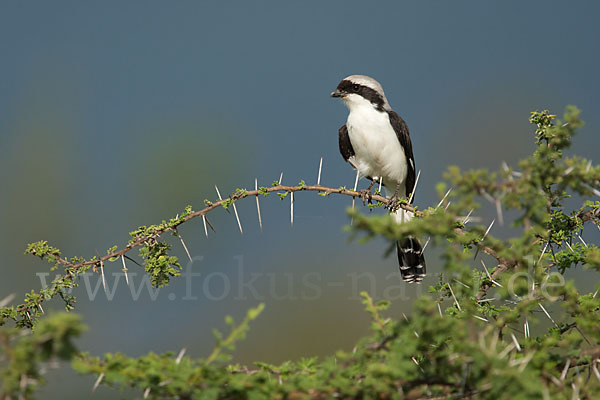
(118, 114)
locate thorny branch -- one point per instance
(503, 264)
(220, 203)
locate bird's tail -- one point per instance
(410, 253)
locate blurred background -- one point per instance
(119, 114)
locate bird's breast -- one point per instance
(378, 152)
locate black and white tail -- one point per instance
(411, 260)
(410, 253)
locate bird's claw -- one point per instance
(366, 196)
(393, 204)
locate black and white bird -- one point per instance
(375, 141)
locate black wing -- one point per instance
(403, 135)
(345, 145)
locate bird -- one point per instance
(375, 140)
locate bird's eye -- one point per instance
(355, 88)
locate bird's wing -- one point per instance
(403, 135)
(345, 145)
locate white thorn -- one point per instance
(543, 252)
(380, 183)
(204, 221)
(356, 180)
(525, 360)
(98, 381)
(354, 198)
(258, 204)
(506, 350)
(463, 284)
(425, 246)
(547, 315)
(486, 300)
(466, 220)
(414, 187)
(488, 230)
(102, 273)
(589, 166)
(581, 239)
(515, 341)
(443, 198)
(563, 374)
(292, 208)
(218, 193)
(569, 246)
(41, 309)
(526, 328)
(280, 178)
(440, 310)
(499, 212)
(454, 297)
(237, 217)
(125, 269)
(595, 369)
(555, 381)
(488, 197)
(146, 392)
(320, 168)
(184, 246)
(488, 274)
(480, 318)
(180, 355)
(6, 301)
(575, 388)
(447, 205)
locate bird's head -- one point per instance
(359, 91)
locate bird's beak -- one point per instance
(336, 93)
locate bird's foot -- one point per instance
(366, 196)
(393, 204)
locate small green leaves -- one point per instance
(238, 332)
(374, 309)
(43, 251)
(25, 352)
(159, 265)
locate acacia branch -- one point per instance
(221, 203)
